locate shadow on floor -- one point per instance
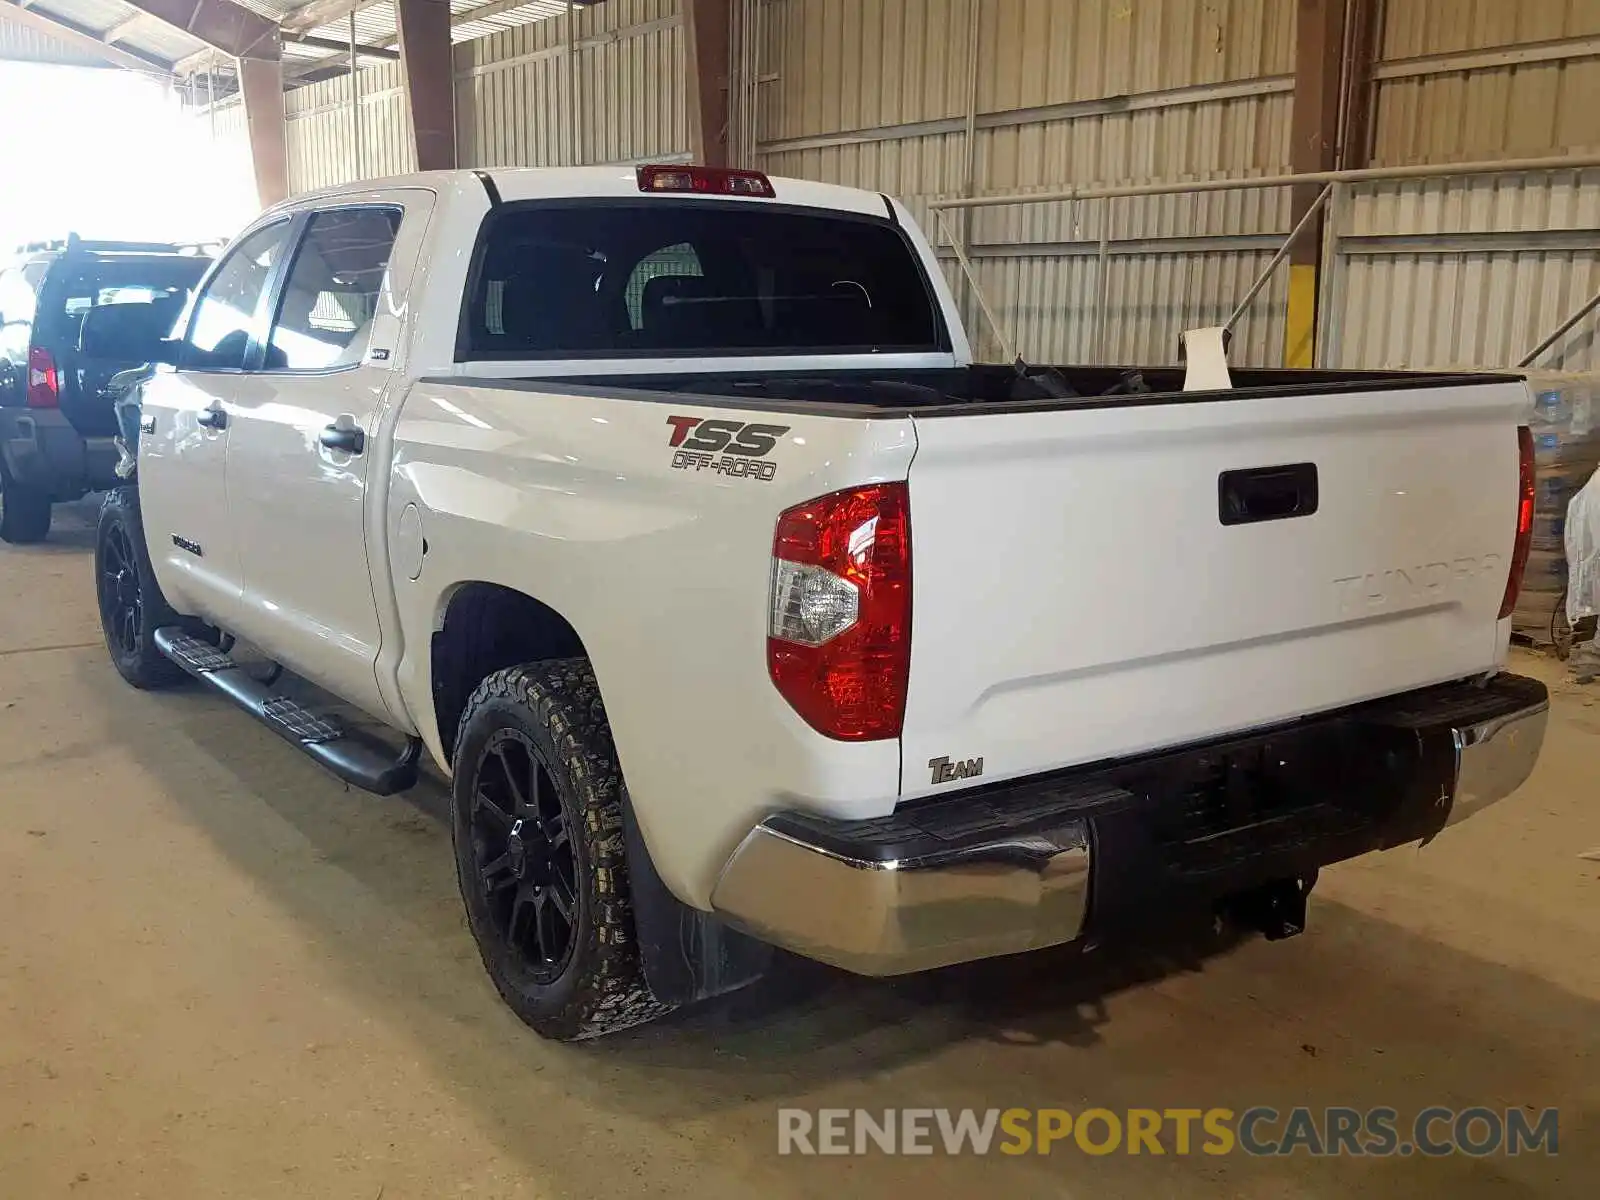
(1357, 1012)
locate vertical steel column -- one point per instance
(261, 86)
(969, 175)
(1318, 72)
(707, 50)
(574, 128)
(1102, 279)
(427, 59)
(1334, 276)
(1363, 26)
(355, 103)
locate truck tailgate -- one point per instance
(1077, 594)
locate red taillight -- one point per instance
(44, 382)
(839, 629)
(705, 181)
(1525, 500)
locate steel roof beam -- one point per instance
(227, 26)
(80, 38)
(377, 53)
(321, 12)
(123, 28)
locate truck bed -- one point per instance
(1103, 572)
(956, 391)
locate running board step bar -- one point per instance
(356, 757)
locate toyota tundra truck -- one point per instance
(666, 511)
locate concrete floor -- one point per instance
(223, 975)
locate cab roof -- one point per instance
(565, 183)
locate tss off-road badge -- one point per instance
(730, 448)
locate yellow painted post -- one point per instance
(1300, 333)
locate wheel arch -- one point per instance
(483, 627)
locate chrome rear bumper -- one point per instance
(1495, 757)
(1009, 868)
(877, 915)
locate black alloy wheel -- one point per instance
(527, 873)
(132, 607)
(121, 600)
(536, 816)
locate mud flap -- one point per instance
(688, 955)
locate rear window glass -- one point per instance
(76, 287)
(660, 278)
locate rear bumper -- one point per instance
(41, 449)
(1039, 862)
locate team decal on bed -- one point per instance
(729, 448)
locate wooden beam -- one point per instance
(428, 62)
(1314, 142)
(81, 38)
(261, 83)
(229, 27)
(705, 39)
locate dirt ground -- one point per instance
(224, 975)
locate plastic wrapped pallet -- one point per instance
(1583, 553)
(1566, 443)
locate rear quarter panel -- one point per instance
(570, 496)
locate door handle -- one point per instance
(342, 437)
(213, 417)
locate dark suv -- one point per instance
(57, 423)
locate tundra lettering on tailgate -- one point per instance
(730, 448)
(1409, 585)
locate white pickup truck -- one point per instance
(665, 510)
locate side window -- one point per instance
(673, 262)
(325, 316)
(219, 334)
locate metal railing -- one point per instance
(1332, 200)
(1561, 331)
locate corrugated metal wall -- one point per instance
(875, 93)
(324, 144)
(226, 124)
(514, 89)
(1068, 92)
(1475, 271)
(514, 100)
(1489, 103)
(1466, 272)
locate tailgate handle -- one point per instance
(1267, 494)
